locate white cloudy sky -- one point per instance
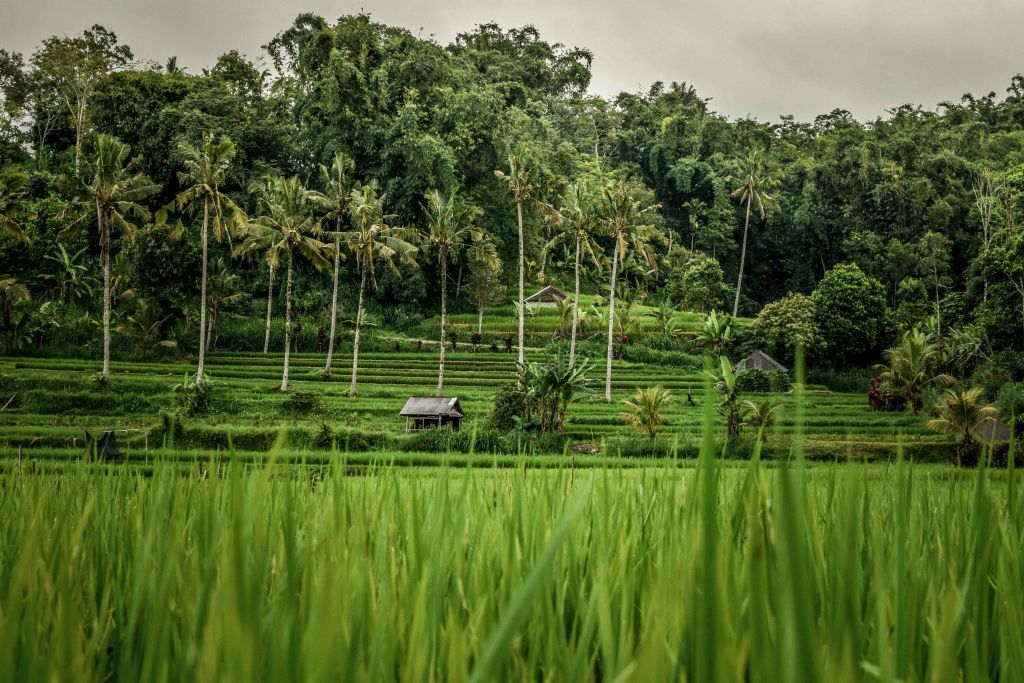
(762, 58)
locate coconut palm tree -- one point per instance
(962, 414)
(206, 168)
(577, 223)
(757, 179)
(911, 366)
(450, 225)
(521, 180)
(115, 188)
(644, 412)
(338, 184)
(372, 239)
(623, 214)
(761, 414)
(13, 182)
(284, 230)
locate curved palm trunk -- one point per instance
(334, 303)
(480, 321)
(444, 312)
(202, 297)
(575, 308)
(522, 279)
(743, 259)
(270, 299)
(611, 325)
(287, 325)
(355, 340)
(105, 259)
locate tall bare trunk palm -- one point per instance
(334, 304)
(270, 299)
(611, 325)
(521, 181)
(115, 189)
(358, 330)
(206, 168)
(444, 314)
(371, 239)
(287, 325)
(623, 210)
(334, 200)
(757, 179)
(284, 228)
(575, 305)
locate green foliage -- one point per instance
(849, 309)
(303, 404)
(785, 324)
(194, 397)
(644, 412)
(754, 380)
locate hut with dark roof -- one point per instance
(759, 360)
(546, 298)
(422, 412)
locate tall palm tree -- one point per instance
(206, 168)
(757, 179)
(13, 182)
(521, 180)
(450, 224)
(371, 239)
(338, 183)
(623, 214)
(911, 366)
(577, 222)
(285, 228)
(116, 189)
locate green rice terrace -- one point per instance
(54, 401)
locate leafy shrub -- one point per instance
(781, 383)
(1011, 401)
(880, 396)
(511, 406)
(194, 397)
(754, 380)
(303, 403)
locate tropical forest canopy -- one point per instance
(913, 216)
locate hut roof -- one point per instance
(549, 294)
(759, 360)
(431, 406)
(994, 432)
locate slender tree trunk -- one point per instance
(105, 259)
(209, 329)
(522, 280)
(575, 308)
(270, 299)
(611, 324)
(79, 124)
(480, 321)
(743, 258)
(444, 312)
(359, 326)
(287, 325)
(458, 283)
(202, 297)
(334, 301)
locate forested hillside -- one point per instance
(926, 201)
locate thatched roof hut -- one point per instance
(546, 298)
(759, 360)
(421, 412)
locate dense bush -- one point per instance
(754, 380)
(303, 403)
(783, 325)
(510, 407)
(850, 312)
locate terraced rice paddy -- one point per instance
(57, 401)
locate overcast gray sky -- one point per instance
(763, 58)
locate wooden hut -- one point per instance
(546, 298)
(422, 412)
(759, 360)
